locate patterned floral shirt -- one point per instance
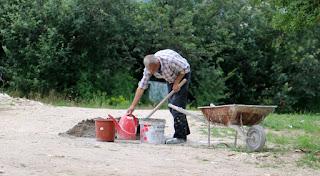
(172, 64)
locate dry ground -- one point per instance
(30, 144)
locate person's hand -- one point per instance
(130, 109)
(176, 87)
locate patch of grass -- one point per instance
(307, 142)
(310, 159)
(205, 160)
(281, 140)
(62, 104)
(275, 155)
(242, 149)
(6, 104)
(306, 122)
(270, 165)
(219, 131)
(297, 131)
(275, 150)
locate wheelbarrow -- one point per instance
(236, 116)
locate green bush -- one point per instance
(78, 47)
(115, 101)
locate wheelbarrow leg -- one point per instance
(209, 133)
(235, 139)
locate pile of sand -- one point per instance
(5, 99)
(85, 128)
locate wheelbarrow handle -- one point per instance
(166, 98)
(187, 113)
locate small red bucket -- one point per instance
(105, 130)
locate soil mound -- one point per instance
(5, 99)
(85, 128)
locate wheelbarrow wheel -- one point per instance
(256, 138)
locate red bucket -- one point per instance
(105, 130)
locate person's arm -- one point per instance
(135, 101)
(176, 87)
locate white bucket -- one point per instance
(152, 131)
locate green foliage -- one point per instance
(123, 84)
(298, 74)
(79, 47)
(294, 14)
(68, 46)
(98, 99)
(114, 101)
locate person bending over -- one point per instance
(171, 66)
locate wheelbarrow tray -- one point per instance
(234, 114)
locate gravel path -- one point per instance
(30, 144)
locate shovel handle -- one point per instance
(183, 111)
(166, 98)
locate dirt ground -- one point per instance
(30, 144)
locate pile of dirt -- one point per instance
(85, 128)
(6, 99)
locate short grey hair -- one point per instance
(150, 59)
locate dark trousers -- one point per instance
(179, 99)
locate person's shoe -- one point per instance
(175, 141)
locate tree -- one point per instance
(294, 15)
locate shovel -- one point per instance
(166, 98)
(187, 113)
